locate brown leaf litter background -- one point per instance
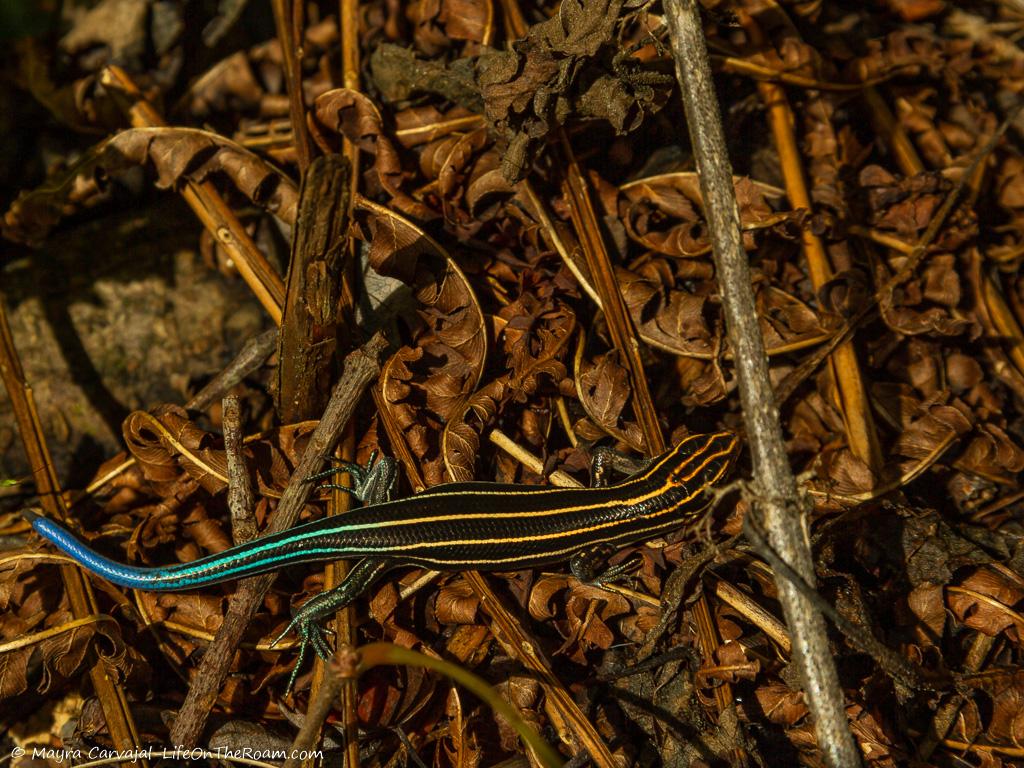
(526, 225)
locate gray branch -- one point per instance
(778, 503)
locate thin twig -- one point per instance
(361, 367)
(509, 632)
(241, 499)
(779, 505)
(621, 327)
(342, 670)
(523, 647)
(889, 661)
(531, 462)
(288, 21)
(752, 611)
(344, 624)
(254, 353)
(861, 436)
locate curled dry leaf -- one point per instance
(350, 113)
(203, 612)
(463, 169)
(875, 740)
(229, 85)
(781, 704)
(988, 601)
(448, 165)
(470, 184)
(32, 604)
(523, 693)
(917, 115)
(588, 611)
(389, 697)
(166, 443)
(1010, 193)
(426, 385)
(603, 388)
(932, 431)
(847, 474)
(460, 746)
(673, 301)
(456, 603)
(904, 206)
(64, 653)
(52, 660)
(786, 322)
(664, 213)
(424, 124)
(534, 338)
(702, 382)
(176, 154)
(668, 313)
(993, 453)
(906, 51)
(437, 25)
(907, 310)
(637, 627)
(878, 741)
(731, 664)
(565, 65)
(1006, 725)
(829, 151)
(249, 86)
(14, 672)
(925, 603)
(678, 312)
(788, 53)
(78, 104)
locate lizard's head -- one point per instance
(702, 460)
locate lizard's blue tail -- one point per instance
(164, 579)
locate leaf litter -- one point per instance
(457, 111)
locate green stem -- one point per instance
(376, 654)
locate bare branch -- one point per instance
(779, 504)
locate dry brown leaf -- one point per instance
(651, 207)
(536, 85)
(175, 154)
(991, 604)
(353, 115)
(604, 390)
(456, 603)
(780, 704)
(535, 338)
(428, 384)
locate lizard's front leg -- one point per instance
(372, 484)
